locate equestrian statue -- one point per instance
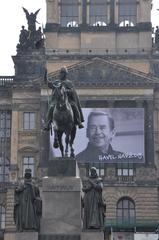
(64, 112)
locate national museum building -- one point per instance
(113, 62)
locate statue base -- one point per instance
(66, 167)
(61, 191)
(59, 237)
(92, 235)
(61, 205)
(21, 236)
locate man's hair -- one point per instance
(96, 114)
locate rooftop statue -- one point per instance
(31, 38)
(31, 18)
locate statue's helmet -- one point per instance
(27, 173)
(93, 171)
(64, 70)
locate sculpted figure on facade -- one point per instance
(93, 202)
(27, 205)
(157, 38)
(31, 19)
(31, 38)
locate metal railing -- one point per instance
(131, 223)
(125, 179)
(6, 81)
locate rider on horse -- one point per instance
(72, 98)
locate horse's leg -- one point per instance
(67, 138)
(56, 142)
(59, 134)
(73, 134)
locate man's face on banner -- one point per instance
(99, 132)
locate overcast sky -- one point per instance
(12, 18)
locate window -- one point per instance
(125, 210)
(28, 163)
(29, 120)
(5, 124)
(127, 13)
(4, 169)
(125, 171)
(5, 133)
(69, 13)
(2, 217)
(98, 12)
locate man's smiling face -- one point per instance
(99, 132)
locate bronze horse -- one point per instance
(63, 121)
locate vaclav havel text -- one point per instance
(122, 156)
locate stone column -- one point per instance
(14, 146)
(14, 137)
(112, 12)
(149, 136)
(52, 11)
(144, 11)
(84, 12)
(10, 225)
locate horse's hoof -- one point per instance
(55, 145)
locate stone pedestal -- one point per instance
(59, 237)
(21, 236)
(61, 194)
(26, 236)
(66, 167)
(9, 236)
(92, 235)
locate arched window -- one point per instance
(98, 12)
(126, 210)
(69, 16)
(2, 217)
(127, 13)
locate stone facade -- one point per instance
(117, 61)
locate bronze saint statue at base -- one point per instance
(93, 202)
(28, 205)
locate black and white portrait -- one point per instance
(110, 135)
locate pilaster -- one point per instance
(149, 132)
(14, 137)
(10, 225)
(112, 12)
(52, 11)
(144, 11)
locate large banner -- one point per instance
(110, 135)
